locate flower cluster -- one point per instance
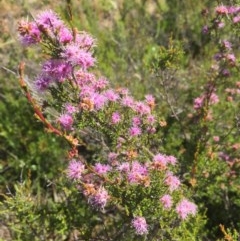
(88, 104)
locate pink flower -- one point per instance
(221, 25)
(70, 109)
(231, 58)
(84, 40)
(140, 225)
(100, 84)
(75, 170)
(166, 200)
(227, 45)
(172, 160)
(236, 19)
(57, 69)
(221, 10)
(29, 33)
(135, 131)
(123, 91)
(42, 82)
(124, 167)
(233, 9)
(198, 102)
(128, 101)
(160, 162)
(136, 121)
(138, 173)
(49, 20)
(151, 130)
(84, 78)
(116, 118)
(150, 101)
(112, 156)
(214, 98)
(142, 108)
(99, 101)
(216, 138)
(102, 168)
(205, 29)
(150, 119)
(111, 95)
(100, 198)
(87, 91)
(76, 56)
(65, 35)
(172, 182)
(225, 72)
(185, 208)
(66, 121)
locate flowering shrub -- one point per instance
(124, 171)
(137, 167)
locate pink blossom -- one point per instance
(166, 200)
(64, 35)
(221, 25)
(100, 84)
(233, 9)
(29, 33)
(185, 208)
(216, 138)
(135, 131)
(48, 19)
(221, 10)
(198, 102)
(149, 99)
(123, 91)
(116, 118)
(102, 168)
(136, 121)
(128, 101)
(140, 225)
(100, 198)
(227, 45)
(42, 82)
(66, 121)
(205, 29)
(84, 78)
(124, 167)
(231, 58)
(172, 181)
(171, 159)
(75, 170)
(87, 91)
(57, 69)
(76, 56)
(111, 95)
(214, 98)
(150, 119)
(225, 72)
(160, 161)
(218, 56)
(99, 101)
(84, 40)
(138, 173)
(70, 109)
(142, 108)
(112, 156)
(224, 156)
(236, 19)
